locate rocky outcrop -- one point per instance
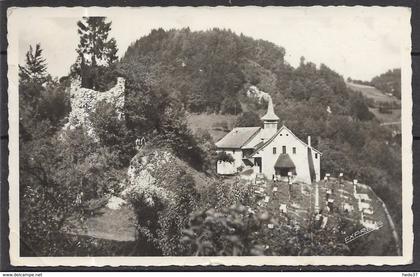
(83, 102)
(156, 171)
(147, 170)
(256, 93)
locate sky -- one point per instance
(356, 42)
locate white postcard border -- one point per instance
(16, 17)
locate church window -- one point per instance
(294, 150)
(316, 155)
(274, 150)
(284, 149)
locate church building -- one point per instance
(274, 152)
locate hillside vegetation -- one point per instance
(386, 107)
(66, 177)
(388, 82)
(210, 71)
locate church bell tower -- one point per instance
(270, 120)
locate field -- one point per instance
(217, 125)
(392, 119)
(373, 93)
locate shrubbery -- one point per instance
(162, 211)
(225, 157)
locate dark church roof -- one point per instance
(237, 137)
(284, 161)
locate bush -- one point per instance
(225, 157)
(238, 231)
(227, 233)
(162, 210)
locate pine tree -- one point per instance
(35, 69)
(96, 52)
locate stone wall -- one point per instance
(83, 102)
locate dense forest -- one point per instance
(169, 74)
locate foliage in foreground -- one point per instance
(239, 231)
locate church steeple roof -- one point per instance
(270, 115)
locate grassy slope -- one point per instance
(393, 119)
(211, 123)
(373, 93)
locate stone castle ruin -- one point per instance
(83, 102)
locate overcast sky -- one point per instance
(356, 42)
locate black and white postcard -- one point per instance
(210, 136)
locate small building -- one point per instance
(272, 151)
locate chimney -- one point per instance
(309, 140)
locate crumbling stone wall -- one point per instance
(83, 102)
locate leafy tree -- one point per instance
(208, 150)
(359, 109)
(153, 113)
(97, 53)
(54, 103)
(162, 209)
(113, 132)
(59, 187)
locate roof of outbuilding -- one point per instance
(284, 161)
(237, 137)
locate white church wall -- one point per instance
(300, 159)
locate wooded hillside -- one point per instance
(65, 175)
(210, 71)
